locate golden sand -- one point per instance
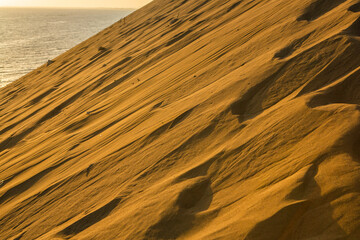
(191, 119)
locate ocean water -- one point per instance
(29, 37)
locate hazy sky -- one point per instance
(76, 3)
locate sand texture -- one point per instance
(191, 119)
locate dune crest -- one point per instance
(191, 120)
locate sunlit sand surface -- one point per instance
(191, 120)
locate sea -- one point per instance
(31, 36)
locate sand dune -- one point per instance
(191, 119)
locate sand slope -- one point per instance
(191, 119)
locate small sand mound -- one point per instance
(49, 62)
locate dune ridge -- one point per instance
(191, 120)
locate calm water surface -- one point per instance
(29, 37)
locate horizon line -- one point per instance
(49, 7)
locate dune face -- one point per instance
(191, 119)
